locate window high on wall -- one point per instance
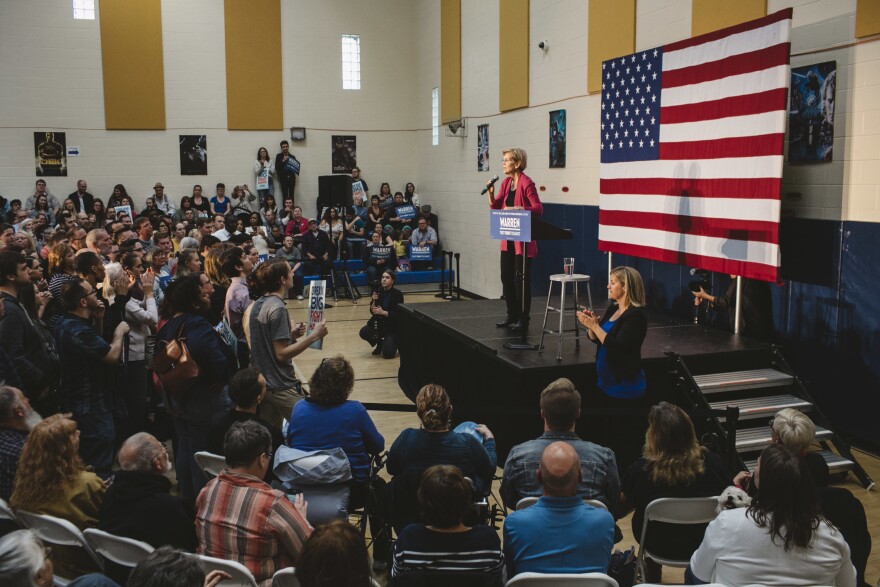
(84, 9)
(351, 62)
(435, 116)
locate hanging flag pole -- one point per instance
(736, 316)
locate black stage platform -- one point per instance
(457, 345)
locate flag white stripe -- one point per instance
(707, 246)
(737, 44)
(769, 166)
(733, 208)
(728, 87)
(721, 128)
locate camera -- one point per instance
(701, 281)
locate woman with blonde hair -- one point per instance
(621, 381)
(61, 270)
(673, 465)
(52, 480)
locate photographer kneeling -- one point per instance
(381, 330)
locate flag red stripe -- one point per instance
(720, 34)
(759, 103)
(729, 228)
(733, 65)
(724, 148)
(731, 267)
(745, 189)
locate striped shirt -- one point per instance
(419, 549)
(241, 518)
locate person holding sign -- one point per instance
(274, 341)
(423, 236)
(378, 256)
(381, 329)
(264, 169)
(517, 192)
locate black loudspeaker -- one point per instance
(334, 190)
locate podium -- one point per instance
(539, 230)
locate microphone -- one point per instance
(489, 183)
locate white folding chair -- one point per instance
(674, 510)
(6, 513)
(530, 501)
(118, 549)
(285, 578)
(59, 532)
(562, 580)
(211, 464)
(240, 574)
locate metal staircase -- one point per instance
(733, 410)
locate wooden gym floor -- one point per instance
(376, 381)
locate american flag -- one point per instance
(691, 149)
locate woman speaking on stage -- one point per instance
(517, 192)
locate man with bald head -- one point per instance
(560, 533)
(139, 503)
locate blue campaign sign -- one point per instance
(381, 251)
(510, 225)
(407, 212)
(417, 253)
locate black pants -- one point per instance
(317, 267)
(387, 340)
(288, 185)
(512, 287)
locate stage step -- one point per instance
(835, 462)
(759, 438)
(738, 380)
(758, 407)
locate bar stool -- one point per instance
(564, 280)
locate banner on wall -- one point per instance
(483, 147)
(193, 154)
(691, 149)
(557, 139)
(811, 112)
(343, 153)
(50, 151)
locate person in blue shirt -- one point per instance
(560, 533)
(619, 403)
(327, 419)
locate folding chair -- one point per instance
(674, 510)
(530, 501)
(562, 580)
(59, 532)
(211, 464)
(240, 574)
(285, 578)
(118, 549)
(6, 513)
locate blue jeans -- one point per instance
(191, 438)
(96, 440)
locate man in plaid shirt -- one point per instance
(241, 518)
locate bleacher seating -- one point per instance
(359, 277)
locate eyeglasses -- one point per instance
(93, 292)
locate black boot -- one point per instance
(519, 325)
(506, 322)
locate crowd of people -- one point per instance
(794, 532)
(132, 332)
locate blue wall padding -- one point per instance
(826, 311)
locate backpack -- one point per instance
(174, 364)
